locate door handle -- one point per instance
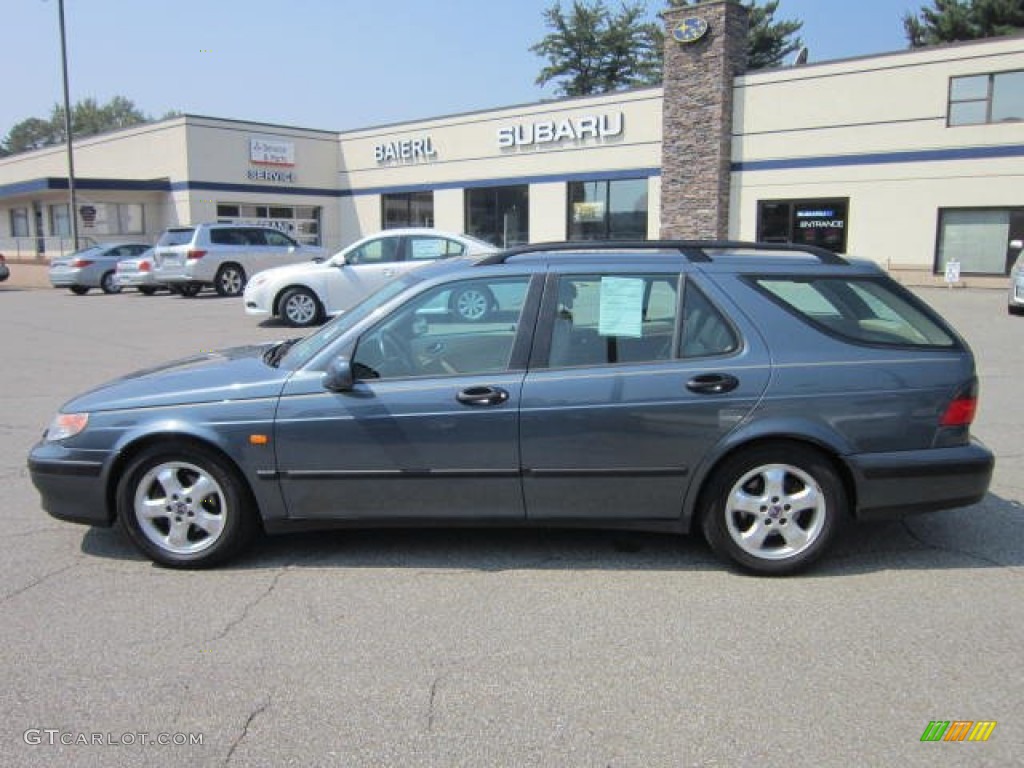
(712, 384)
(482, 396)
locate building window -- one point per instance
(19, 222)
(804, 222)
(302, 222)
(60, 222)
(499, 215)
(130, 220)
(979, 239)
(409, 209)
(992, 98)
(608, 210)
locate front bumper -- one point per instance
(890, 485)
(71, 483)
(1016, 297)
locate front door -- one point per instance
(428, 431)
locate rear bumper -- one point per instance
(895, 484)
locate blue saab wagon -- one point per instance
(763, 395)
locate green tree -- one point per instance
(769, 41)
(592, 50)
(87, 119)
(948, 21)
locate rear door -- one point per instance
(635, 376)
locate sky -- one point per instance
(330, 64)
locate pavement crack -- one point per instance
(433, 699)
(45, 577)
(248, 607)
(260, 708)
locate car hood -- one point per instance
(231, 374)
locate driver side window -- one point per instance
(429, 337)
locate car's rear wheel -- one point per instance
(147, 290)
(188, 290)
(472, 303)
(774, 508)
(79, 290)
(230, 280)
(184, 507)
(1011, 309)
(300, 307)
(109, 284)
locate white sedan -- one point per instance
(307, 293)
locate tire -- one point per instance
(1014, 310)
(773, 509)
(230, 280)
(472, 303)
(109, 284)
(188, 290)
(169, 522)
(79, 290)
(300, 308)
(147, 290)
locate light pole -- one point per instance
(73, 208)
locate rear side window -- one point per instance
(176, 237)
(610, 319)
(429, 248)
(867, 311)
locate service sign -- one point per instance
(271, 152)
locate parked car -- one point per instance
(93, 267)
(223, 255)
(1015, 300)
(138, 273)
(305, 294)
(5, 271)
(759, 394)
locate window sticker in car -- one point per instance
(622, 306)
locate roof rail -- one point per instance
(694, 250)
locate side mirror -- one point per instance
(339, 377)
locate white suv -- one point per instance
(223, 255)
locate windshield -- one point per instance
(303, 351)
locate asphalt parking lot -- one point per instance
(492, 648)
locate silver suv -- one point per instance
(223, 255)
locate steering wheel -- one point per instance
(395, 356)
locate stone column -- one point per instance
(697, 118)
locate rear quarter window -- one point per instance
(176, 237)
(868, 311)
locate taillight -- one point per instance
(144, 266)
(193, 254)
(962, 408)
(79, 263)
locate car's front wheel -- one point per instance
(184, 506)
(773, 509)
(300, 307)
(230, 280)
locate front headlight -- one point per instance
(65, 425)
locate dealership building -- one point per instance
(914, 159)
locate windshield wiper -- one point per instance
(273, 355)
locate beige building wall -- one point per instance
(862, 129)
(462, 151)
